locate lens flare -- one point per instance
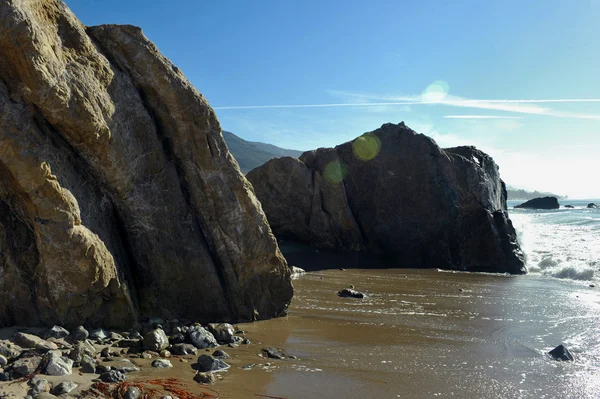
(437, 91)
(334, 172)
(366, 147)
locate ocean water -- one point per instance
(562, 243)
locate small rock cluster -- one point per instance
(108, 354)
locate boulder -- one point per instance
(204, 378)
(9, 349)
(156, 340)
(88, 364)
(112, 376)
(183, 349)
(162, 364)
(540, 203)
(80, 334)
(202, 338)
(223, 332)
(82, 349)
(569, 207)
(27, 340)
(592, 206)
(207, 363)
(394, 194)
(26, 365)
(56, 332)
(64, 387)
(118, 194)
(38, 385)
(561, 353)
(57, 364)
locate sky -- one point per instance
(518, 79)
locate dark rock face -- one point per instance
(118, 195)
(540, 203)
(395, 193)
(592, 205)
(569, 206)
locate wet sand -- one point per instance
(418, 334)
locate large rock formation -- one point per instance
(540, 203)
(118, 195)
(395, 193)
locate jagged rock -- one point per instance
(112, 376)
(64, 387)
(350, 293)
(56, 332)
(162, 364)
(115, 179)
(183, 349)
(223, 332)
(561, 353)
(208, 363)
(540, 203)
(202, 338)
(98, 334)
(26, 365)
(81, 349)
(57, 364)
(156, 340)
(274, 353)
(592, 206)
(396, 194)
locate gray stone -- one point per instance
(88, 364)
(82, 348)
(3, 361)
(133, 393)
(202, 338)
(56, 332)
(98, 334)
(208, 363)
(156, 340)
(38, 385)
(162, 364)
(26, 340)
(64, 387)
(25, 365)
(57, 364)
(112, 376)
(10, 350)
(204, 378)
(183, 349)
(220, 354)
(80, 334)
(223, 332)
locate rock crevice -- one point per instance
(114, 171)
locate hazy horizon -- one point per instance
(517, 80)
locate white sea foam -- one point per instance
(563, 243)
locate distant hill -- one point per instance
(252, 154)
(520, 194)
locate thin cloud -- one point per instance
(521, 106)
(481, 117)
